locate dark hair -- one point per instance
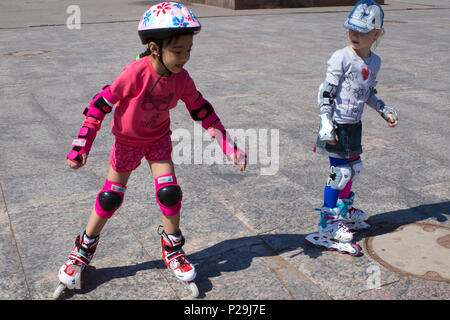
(162, 42)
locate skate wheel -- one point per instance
(357, 250)
(58, 291)
(192, 287)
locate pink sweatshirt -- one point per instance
(141, 117)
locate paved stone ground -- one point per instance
(261, 70)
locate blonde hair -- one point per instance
(376, 42)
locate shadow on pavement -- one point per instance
(237, 254)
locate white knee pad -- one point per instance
(339, 176)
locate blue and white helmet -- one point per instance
(166, 19)
(365, 16)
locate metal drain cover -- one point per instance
(419, 250)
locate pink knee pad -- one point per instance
(109, 199)
(168, 194)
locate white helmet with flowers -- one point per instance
(365, 16)
(166, 19)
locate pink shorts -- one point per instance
(125, 158)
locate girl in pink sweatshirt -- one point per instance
(143, 93)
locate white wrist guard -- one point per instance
(385, 110)
(326, 129)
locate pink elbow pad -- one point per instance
(202, 110)
(101, 104)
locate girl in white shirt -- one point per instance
(350, 84)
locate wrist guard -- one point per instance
(228, 146)
(100, 105)
(385, 110)
(326, 129)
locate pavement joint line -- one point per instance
(289, 267)
(162, 272)
(378, 288)
(15, 243)
(277, 275)
(417, 194)
(276, 255)
(345, 9)
(207, 257)
(422, 155)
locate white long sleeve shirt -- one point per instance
(355, 78)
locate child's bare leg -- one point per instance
(171, 224)
(95, 225)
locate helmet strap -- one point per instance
(156, 82)
(161, 60)
(168, 72)
(159, 43)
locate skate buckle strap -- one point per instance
(79, 142)
(178, 256)
(84, 251)
(173, 247)
(168, 243)
(79, 257)
(344, 208)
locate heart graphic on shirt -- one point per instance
(365, 73)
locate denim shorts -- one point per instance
(349, 143)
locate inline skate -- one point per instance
(175, 259)
(70, 272)
(333, 234)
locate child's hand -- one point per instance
(75, 165)
(244, 161)
(391, 123)
(389, 115)
(333, 142)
